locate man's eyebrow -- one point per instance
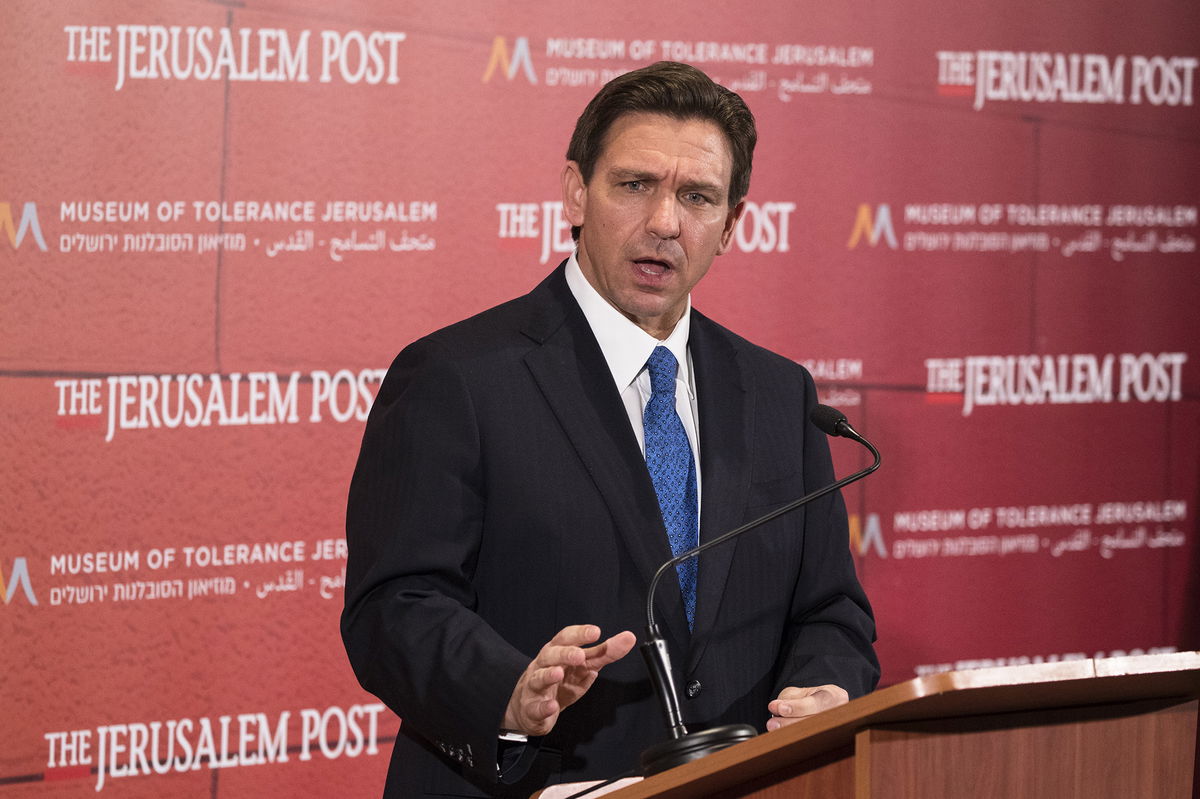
(622, 173)
(705, 187)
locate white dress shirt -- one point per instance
(627, 347)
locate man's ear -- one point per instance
(574, 193)
(730, 225)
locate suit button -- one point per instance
(693, 689)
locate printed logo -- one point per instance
(1075, 378)
(18, 576)
(1117, 231)
(867, 538)
(873, 228)
(510, 64)
(763, 227)
(29, 224)
(200, 52)
(1001, 76)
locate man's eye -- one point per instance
(634, 185)
(696, 197)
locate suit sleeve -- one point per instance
(414, 524)
(832, 627)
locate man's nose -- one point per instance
(664, 217)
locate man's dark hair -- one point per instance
(676, 90)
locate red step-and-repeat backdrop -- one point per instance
(975, 223)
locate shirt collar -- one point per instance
(626, 346)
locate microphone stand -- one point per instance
(684, 746)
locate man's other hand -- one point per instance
(794, 704)
(560, 674)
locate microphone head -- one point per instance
(828, 420)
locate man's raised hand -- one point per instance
(561, 673)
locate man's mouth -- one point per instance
(650, 266)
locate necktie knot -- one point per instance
(663, 368)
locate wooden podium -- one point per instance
(1091, 729)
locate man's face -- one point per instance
(654, 215)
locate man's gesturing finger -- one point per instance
(544, 682)
(610, 651)
(539, 702)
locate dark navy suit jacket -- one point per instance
(501, 495)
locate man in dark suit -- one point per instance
(525, 471)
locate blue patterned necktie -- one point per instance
(672, 469)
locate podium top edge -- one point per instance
(1048, 672)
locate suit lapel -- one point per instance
(723, 394)
(572, 374)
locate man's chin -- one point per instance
(655, 314)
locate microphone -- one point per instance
(684, 746)
(832, 422)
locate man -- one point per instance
(524, 472)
